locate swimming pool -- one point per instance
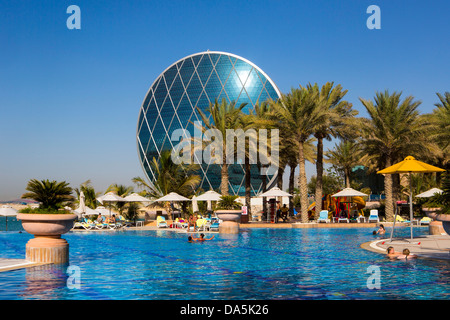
(263, 264)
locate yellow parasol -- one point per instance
(409, 165)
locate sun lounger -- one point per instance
(85, 224)
(161, 222)
(425, 220)
(343, 220)
(124, 222)
(373, 216)
(323, 216)
(201, 224)
(400, 219)
(213, 225)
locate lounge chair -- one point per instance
(84, 223)
(180, 223)
(425, 220)
(101, 225)
(201, 224)
(213, 225)
(342, 219)
(373, 216)
(114, 225)
(323, 216)
(400, 219)
(161, 222)
(124, 222)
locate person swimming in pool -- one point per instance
(391, 253)
(406, 254)
(202, 238)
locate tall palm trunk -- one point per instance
(347, 178)
(280, 177)
(264, 189)
(224, 176)
(302, 184)
(248, 186)
(389, 202)
(319, 179)
(292, 167)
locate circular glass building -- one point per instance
(198, 80)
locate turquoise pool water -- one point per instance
(256, 264)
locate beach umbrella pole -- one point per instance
(393, 226)
(410, 206)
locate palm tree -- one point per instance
(51, 194)
(295, 113)
(344, 156)
(262, 119)
(310, 154)
(392, 131)
(438, 124)
(224, 116)
(442, 117)
(170, 177)
(335, 114)
(89, 194)
(122, 191)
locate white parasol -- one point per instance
(275, 192)
(7, 211)
(429, 193)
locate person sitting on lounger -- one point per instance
(284, 213)
(100, 218)
(192, 222)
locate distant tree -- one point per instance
(344, 156)
(393, 131)
(224, 116)
(90, 195)
(122, 191)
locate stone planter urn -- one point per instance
(47, 246)
(230, 220)
(445, 219)
(439, 220)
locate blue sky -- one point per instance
(70, 99)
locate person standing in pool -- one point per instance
(202, 238)
(406, 254)
(391, 253)
(381, 230)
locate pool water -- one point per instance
(256, 264)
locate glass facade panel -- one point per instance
(193, 81)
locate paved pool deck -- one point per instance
(430, 247)
(14, 264)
